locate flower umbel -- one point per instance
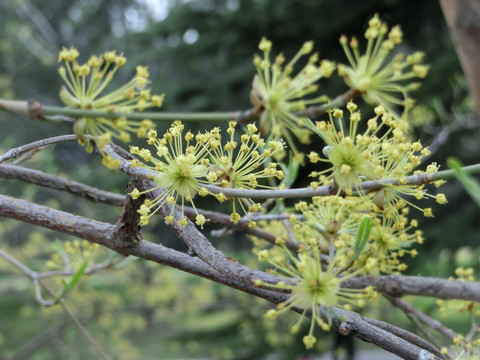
(328, 218)
(388, 244)
(381, 79)
(241, 166)
(85, 85)
(73, 254)
(353, 156)
(179, 169)
(282, 94)
(316, 286)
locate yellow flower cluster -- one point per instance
(463, 347)
(356, 230)
(73, 254)
(85, 86)
(282, 94)
(380, 78)
(316, 285)
(382, 151)
(238, 165)
(182, 169)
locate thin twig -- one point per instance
(242, 226)
(24, 157)
(15, 152)
(38, 341)
(422, 329)
(308, 192)
(36, 277)
(406, 335)
(434, 324)
(475, 326)
(98, 348)
(467, 122)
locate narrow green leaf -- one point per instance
(74, 280)
(471, 185)
(310, 125)
(362, 236)
(290, 170)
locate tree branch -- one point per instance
(463, 19)
(434, 324)
(242, 226)
(400, 285)
(201, 247)
(308, 192)
(58, 183)
(15, 152)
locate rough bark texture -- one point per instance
(463, 19)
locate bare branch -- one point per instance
(25, 157)
(90, 193)
(34, 109)
(201, 247)
(58, 183)
(399, 285)
(98, 348)
(386, 336)
(13, 153)
(434, 324)
(406, 335)
(242, 226)
(341, 100)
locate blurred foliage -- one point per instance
(200, 55)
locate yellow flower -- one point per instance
(398, 158)
(85, 89)
(331, 220)
(309, 341)
(179, 171)
(241, 165)
(282, 94)
(380, 78)
(76, 253)
(352, 156)
(387, 244)
(317, 286)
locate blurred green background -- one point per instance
(199, 54)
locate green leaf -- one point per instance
(471, 185)
(290, 171)
(74, 280)
(310, 125)
(362, 236)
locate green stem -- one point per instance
(339, 101)
(34, 109)
(450, 174)
(154, 116)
